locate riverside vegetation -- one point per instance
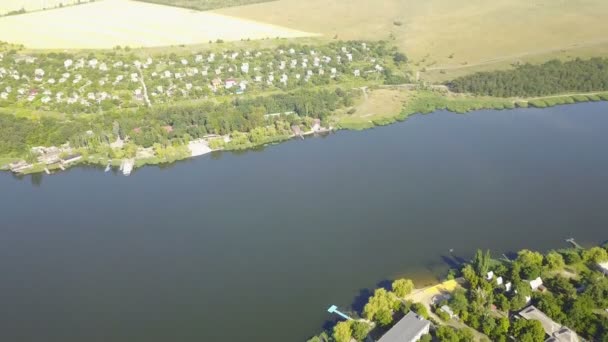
(240, 97)
(575, 295)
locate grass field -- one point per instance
(107, 23)
(460, 35)
(378, 105)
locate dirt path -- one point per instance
(143, 84)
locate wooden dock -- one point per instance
(574, 243)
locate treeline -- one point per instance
(204, 5)
(147, 126)
(553, 77)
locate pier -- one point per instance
(574, 243)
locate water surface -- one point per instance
(256, 246)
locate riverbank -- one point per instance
(377, 107)
(490, 297)
(427, 101)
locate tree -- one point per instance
(571, 256)
(421, 310)
(459, 301)
(402, 287)
(527, 330)
(554, 261)
(488, 324)
(399, 58)
(530, 262)
(360, 330)
(595, 255)
(502, 302)
(481, 262)
(384, 317)
(379, 307)
(470, 276)
(342, 332)
(426, 338)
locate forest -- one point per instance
(553, 77)
(148, 126)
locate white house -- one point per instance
(68, 63)
(245, 68)
(536, 283)
(499, 281)
(508, 286)
(357, 73)
(490, 275)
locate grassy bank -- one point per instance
(380, 111)
(378, 107)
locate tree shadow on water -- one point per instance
(363, 297)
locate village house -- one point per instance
(216, 83)
(555, 331)
(231, 82)
(409, 329)
(536, 284)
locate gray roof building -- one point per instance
(409, 329)
(556, 332)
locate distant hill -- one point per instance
(11, 7)
(205, 5)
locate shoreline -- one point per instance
(423, 102)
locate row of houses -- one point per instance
(56, 80)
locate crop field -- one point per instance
(451, 36)
(108, 23)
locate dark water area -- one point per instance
(255, 246)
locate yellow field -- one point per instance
(451, 34)
(107, 23)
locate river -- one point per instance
(255, 246)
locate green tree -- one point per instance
(402, 287)
(459, 302)
(360, 330)
(481, 262)
(554, 261)
(530, 262)
(380, 304)
(342, 332)
(426, 338)
(595, 255)
(469, 274)
(527, 331)
(420, 309)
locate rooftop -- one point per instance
(556, 331)
(407, 329)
